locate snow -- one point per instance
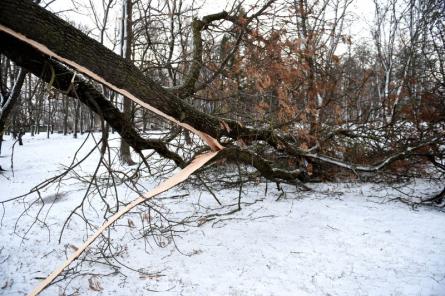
(340, 239)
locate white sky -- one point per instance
(362, 12)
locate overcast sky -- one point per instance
(361, 10)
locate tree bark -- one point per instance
(85, 54)
(84, 92)
(65, 105)
(126, 43)
(76, 118)
(70, 43)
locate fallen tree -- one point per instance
(93, 59)
(75, 64)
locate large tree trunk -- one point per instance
(56, 38)
(37, 63)
(105, 66)
(75, 48)
(83, 92)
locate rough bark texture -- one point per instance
(40, 65)
(67, 41)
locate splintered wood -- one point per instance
(181, 176)
(212, 142)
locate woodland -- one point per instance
(286, 94)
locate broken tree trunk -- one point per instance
(69, 45)
(105, 66)
(36, 63)
(50, 39)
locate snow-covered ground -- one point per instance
(340, 239)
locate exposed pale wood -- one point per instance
(197, 163)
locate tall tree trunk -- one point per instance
(30, 105)
(82, 119)
(39, 111)
(65, 103)
(76, 119)
(48, 123)
(126, 43)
